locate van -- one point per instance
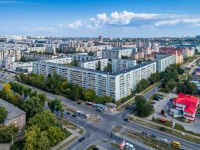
(129, 146)
(175, 144)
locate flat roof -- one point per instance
(13, 111)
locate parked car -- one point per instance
(126, 119)
(99, 110)
(81, 139)
(171, 99)
(143, 132)
(152, 135)
(79, 102)
(164, 140)
(74, 115)
(152, 103)
(68, 113)
(156, 98)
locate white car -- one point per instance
(164, 140)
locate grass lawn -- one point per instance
(81, 131)
(68, 124)
(91, 147)
(149, 88)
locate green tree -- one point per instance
(55, 135)
(3, 114)
(32, 106)
(55, 105)
(99, 65)
(162, 112)
(43, 120)
(90, 53)
(191, 88)
(6, 131)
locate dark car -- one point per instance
(79, 103)
(143, 133)
(81, 139)
(156, 98)
(68, 113)
(171, 99)
(74, 115)
(99, 110)
(153, 136)
(95, 148)
(126, 119)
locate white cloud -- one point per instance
(14, 2)
(77, 24)
(126, 18)
(39, 29)
(60, 25)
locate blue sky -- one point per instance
(91, 18)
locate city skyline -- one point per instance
(109, 18)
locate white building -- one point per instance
(164, 61)
(82, 57)
(117, 85)
(28, 65)
(122, 64)
(143, 71)
(94, 64)
(116, 53)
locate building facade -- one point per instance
(117, 85)
(164, 61)
(122, 64)
(15, 116)
(94, 64)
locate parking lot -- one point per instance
(164, 104)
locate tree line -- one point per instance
(56, 84)
(170, 80)
(42, 127)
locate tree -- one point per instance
(107, 99)
(6, 131)
(191, 87)
(162, 112)
(90, 53)
(55, 105)
(55, 135)
(43, 120)
(140, 99)
(32, 106)
(3, 114)
(99, 65)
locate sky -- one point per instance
(108, 18)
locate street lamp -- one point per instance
(12, 138)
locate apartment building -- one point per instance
(117, 85)
(94, 64)
(15, 65)
(122, 64)
(15, 116)
(143, 71)
(116, 53)
(163, 61)
(82, 57)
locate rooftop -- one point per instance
(190, 102)
(13, 111)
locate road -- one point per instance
(102, 130)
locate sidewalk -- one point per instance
(74, 134)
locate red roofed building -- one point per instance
(187, 104)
